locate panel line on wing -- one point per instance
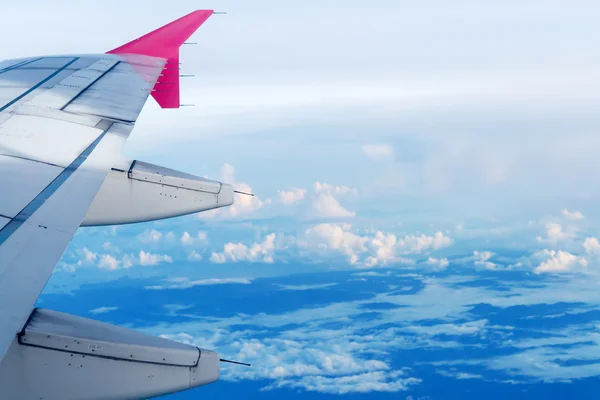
(45, 194)
(90, 85)
(29, 159)
(19, 64)
(34, 87)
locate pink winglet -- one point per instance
(165, 42)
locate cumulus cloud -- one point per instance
(322, 201)
(438, 264)
(481, 259)
(380, 248)
(333, 189)
(188, 240)
(88, 256)
(142, 258)
(193, 256)
(378, 152)
(591, 246)
(109, 262)
(112, 262)
(572, 215)
(243, 205)
(376, 381)
(555, 233)
(237, 252)
(155, 236)
(559, 262)
(325, 205)
(291, 196)
(153, 259)
(186, 283)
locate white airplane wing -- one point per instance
(63, 123)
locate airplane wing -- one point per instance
(63, 123)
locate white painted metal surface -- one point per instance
(146, 172)
(38, 363)
(119, 95)
(20, 181)
(73, 85)
(79, 119)
(30, 253)
(65, 332)
(48, 202)
(63, 123)
(58, 143)
(146, 192)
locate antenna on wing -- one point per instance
(234, 362)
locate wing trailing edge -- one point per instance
(165, 42)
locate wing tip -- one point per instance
(165, 42)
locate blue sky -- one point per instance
(426, 221)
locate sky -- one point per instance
(425, 177)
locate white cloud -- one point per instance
(337, 237)
(559, 261)
(186, 283)
(89, 256)
(243, 205)
(193, 256)
(481, 259)
(591, 246)
(333, 189)
(327, 206)
(186, 239)
(376, 381)
(555, 233)
(153, 259)
(202, 236)
(291, 196)
(459, 375)
(150, 236)
(378, 152)
(305, 287)
(438, 264)
(572, 215)
(381, 248)
(470, 328)
(238, 252)
(109, 262)
(154, 236)
(102, 310)
(109, 247)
